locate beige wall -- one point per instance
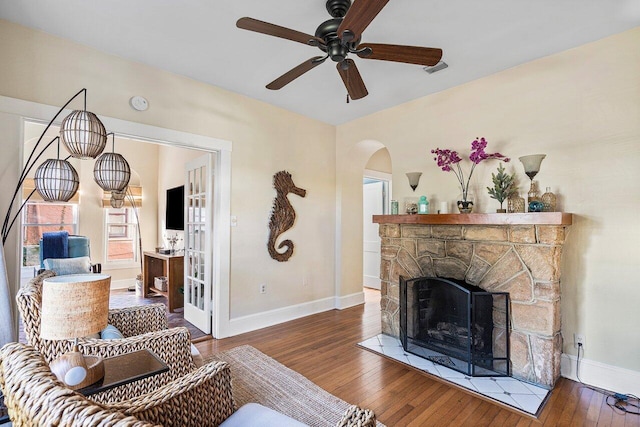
(171, 171)
(380, 161)
(265, 139)
(581, 108)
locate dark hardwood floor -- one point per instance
(323, 348)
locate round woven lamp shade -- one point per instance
(111, 172)
(56, 180)
(83, 134)
(116, 203)
(119, 195)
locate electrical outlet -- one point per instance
(263, 288)
(579, 339)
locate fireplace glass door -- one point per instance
(455, 324)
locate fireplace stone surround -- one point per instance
(515, 253)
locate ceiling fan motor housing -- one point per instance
(335, 48)
(338, 8)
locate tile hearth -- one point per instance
(513, 392)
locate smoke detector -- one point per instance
(139, 103)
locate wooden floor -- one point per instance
(323, 348)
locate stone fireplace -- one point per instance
(515, 253)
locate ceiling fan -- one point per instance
(340, 36)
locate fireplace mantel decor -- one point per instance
(515, 253)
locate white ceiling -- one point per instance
(198, 39)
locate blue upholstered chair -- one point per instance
(75, 259)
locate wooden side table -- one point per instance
(171, 266)
(125, 369)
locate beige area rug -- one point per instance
(259, 378)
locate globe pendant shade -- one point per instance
(111, 172)
(83, 134)
(56, 180)
(117, 199)
(118, 195)
(116, 203)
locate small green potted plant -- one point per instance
(503, 187)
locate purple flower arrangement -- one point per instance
(449, 161)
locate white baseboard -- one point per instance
(253, 322)
(371, 282)
(608, 377)
(123, 283)
(349, 300)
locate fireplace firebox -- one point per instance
(455, 324)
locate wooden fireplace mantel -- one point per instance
(534, 218)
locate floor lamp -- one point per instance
(83, 135)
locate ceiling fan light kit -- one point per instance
(340, 36)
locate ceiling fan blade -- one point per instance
(352, 79)
(397, 53)
(276, 31)
(295, 72)
(358, 17)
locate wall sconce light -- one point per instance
(531, 164)
(414, 179)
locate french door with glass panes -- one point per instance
(197, 243)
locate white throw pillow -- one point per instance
(256, 415)
(64, 266)
(111, 333)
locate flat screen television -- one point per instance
(174, 219)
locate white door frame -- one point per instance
(200, 317)
(382, 177)
(32, 111)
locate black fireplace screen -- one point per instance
(455, 324)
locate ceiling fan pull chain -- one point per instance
(344, 63)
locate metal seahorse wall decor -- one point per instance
(283, 216)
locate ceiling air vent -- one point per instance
(439, 66)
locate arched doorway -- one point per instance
(349, 220)
(376, 200)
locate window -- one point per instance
(121, 236)
(40, 217)
(117, 223)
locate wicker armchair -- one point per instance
(35, 397)
(142, 326)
